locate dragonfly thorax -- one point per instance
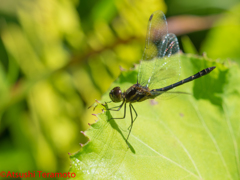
(116, 94)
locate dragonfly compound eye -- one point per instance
(116, 94)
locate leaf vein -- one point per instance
(233, 138)
(184, 148)
(175, 163)
(211, 137)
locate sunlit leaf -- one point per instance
(188, 137)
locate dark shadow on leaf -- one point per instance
(129, 76)
(208, 87)
(115, 126)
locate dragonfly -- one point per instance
(159, 70)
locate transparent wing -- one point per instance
(160, 65)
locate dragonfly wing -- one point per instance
(160, 65)
(167, 67)
(157, 30)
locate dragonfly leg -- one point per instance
(118, 110)
(119, 107)
(135, 116)
(130, 107)
(105, 104)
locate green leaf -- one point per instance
(188, 137)
(188, 46)
(223, 40)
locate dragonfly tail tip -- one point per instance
(212, 68)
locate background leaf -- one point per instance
(189, 137)
(223, 40)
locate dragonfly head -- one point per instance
(116, 94)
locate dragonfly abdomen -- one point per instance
(190, 78)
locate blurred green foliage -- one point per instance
(56, 57)
(223, 41)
